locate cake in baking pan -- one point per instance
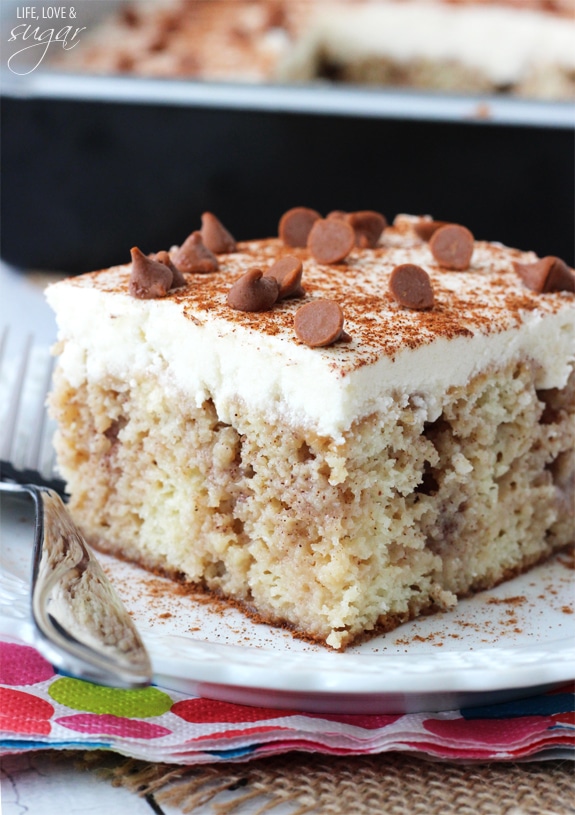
(338, 428)
(465, 46)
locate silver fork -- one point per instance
(81, 624)
(26, 451)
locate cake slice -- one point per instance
(337, 429)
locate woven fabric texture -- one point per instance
(389, 784)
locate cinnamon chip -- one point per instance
(368, 226)
(424, 229)
(411, 287)
(215, 236)
(178, 278)
(287, 271)
(253, 292)
(330, 241)
(148, 278)
(546, 275)
(320, 323)
(452, 246)
(194, 256)
(295, 225)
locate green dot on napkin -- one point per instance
(80, 695)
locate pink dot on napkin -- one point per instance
(504, 732)
(21, 712)
(107, 725)
(22, 665)
(207, 710)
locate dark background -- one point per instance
(84, 181)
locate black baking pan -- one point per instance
(94, 165)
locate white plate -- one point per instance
(513, 641)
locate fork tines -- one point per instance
(26, 451)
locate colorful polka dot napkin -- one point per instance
(42, 709)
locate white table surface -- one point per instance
(34, 784)
(23, 307)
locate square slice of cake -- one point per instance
(337, 429)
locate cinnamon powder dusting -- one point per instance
(487, 298)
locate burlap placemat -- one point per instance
(390, 784)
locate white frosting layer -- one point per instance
(204, 352)
(504, 44)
